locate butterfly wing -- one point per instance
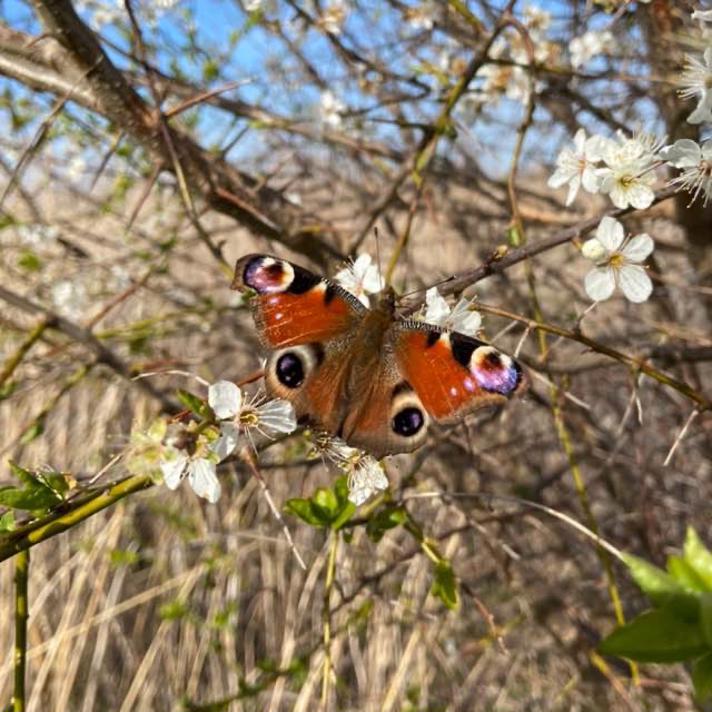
(309, 324)
(451, 373)
(294, 306)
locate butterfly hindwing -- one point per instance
(454, 374)
(292, 305)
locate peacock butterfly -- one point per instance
(366, 375)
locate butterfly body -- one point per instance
(363, 374)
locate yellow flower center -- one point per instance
(616, 260)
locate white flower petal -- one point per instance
(225, 398)
(638, 248)
(590, 180)
(367, 479)
(593, 250)
(372, 281)
(360, 277)
(574, 186)
(635, 283)
(437, 309)
(580, 141)
(703, 111)
(203, 479)
(640, 196)
(227, 442)
(464, 319)
(610, 233)
(173, 471)
(600, 283)
(277, 416)
(684, 153)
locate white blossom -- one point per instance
(333, 17)
(367, 478)
(70, 298)
(330, 109)
(588, 46)
(460, 318)
(37, 234)
(269, 417)
(618, 263)
(512, 81)
(703, 16)
(421, 16)
(366, 475)
(225, 398)
(361, 278)
(629, 176)
(577, 166)
(697, 83)
(695, 161)
(201, 472)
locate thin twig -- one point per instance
(246, 456)
(680, 436)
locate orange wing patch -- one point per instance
(445, 386)
(291, 319)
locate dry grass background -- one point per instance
(164, 598)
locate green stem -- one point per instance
(58, 522)
(15, 359)
(22, 566)
(326, 617)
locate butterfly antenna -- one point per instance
(378, 252)
(425, 289)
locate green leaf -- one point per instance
(194, 404)
(657, 636)
(33, 495)
(29, 261)
(684, 574)
(303, 509)
(211, 70)
(702, 677)
(445, 584)
(123, 557)
(706, 617)
(33, 431)
(699, 557)
(7, 521)
(59, 482)
(387, 518)
(343, 516)
(659, 586)
(174, 610)
(341, 490)
(324, 501)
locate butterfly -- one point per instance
(365, 375)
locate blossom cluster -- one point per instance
(196, 453)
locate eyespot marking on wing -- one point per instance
(268, 275)
(494, 371)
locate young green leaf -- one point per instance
(445, 584)
(303, 509)
(699, 557)
(7, 522)
(657, 636)
(658, 585)
(387, 518)
(32, 496)
(194, 404)
(702, 677)
(684, 574)
(706, 617)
